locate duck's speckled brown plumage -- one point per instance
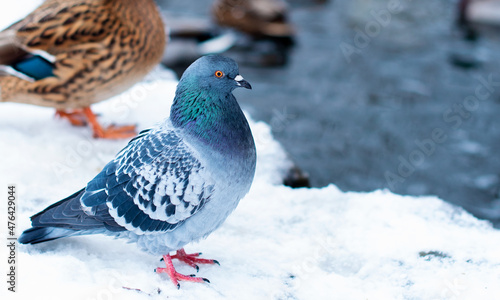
(267, 18)
(101, 48)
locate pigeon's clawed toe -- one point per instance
(175, 277)
(193, 259)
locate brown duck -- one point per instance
(256, 17)
(71, 54)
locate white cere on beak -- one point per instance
(239, 78)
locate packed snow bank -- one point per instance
(280, 243)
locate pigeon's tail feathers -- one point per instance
(55, 214)
(67, 218)
(47, 224)
(37, 235)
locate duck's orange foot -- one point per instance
(111, 132)
(75, 117)
(175, 277)
(85, 116)
(115, 132)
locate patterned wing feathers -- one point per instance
(155, 184)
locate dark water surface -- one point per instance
(406, 110)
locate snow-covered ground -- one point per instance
(280, 243)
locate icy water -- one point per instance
(374, 97)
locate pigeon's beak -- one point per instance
(241, 82)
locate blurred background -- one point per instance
(368, 94)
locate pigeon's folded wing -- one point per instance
(153, 185)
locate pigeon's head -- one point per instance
(214, 73)
(204, 103)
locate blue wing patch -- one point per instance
(35, 67)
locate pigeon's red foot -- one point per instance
(192, 259)
(174, 275)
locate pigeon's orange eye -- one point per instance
(219, 74)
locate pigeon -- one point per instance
(172, 184)
(71, 54)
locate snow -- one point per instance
(10, 12)
(280, 243)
